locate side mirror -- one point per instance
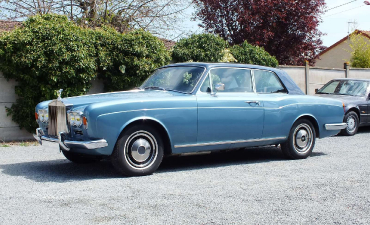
(316, 90)
(220, 87)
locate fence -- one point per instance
(308, 79)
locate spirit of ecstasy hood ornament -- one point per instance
(60, 94)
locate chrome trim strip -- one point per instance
(229, 142)
(67, 144)
(335, 126)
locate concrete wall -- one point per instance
(9, 130)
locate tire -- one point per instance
(138, 152)
(80, 158)
(352, 121)
(301, 140)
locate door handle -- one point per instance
(254, 102)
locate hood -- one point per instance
(134, 95)
(347, 99)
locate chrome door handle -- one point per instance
(254, 102)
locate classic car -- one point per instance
(355, 94)
(189, 108)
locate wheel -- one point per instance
(352, 121)
(80, 158)
(301, 140)
(139, 151)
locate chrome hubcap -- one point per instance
(141, 149)
(351, 124)
(303, 138)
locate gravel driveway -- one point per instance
(39, 186)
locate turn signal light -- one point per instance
(36, 116)
(84, 121)
(344, 107)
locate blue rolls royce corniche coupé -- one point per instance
(188, 108)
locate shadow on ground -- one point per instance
(64, 171)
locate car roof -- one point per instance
(212, 65)
(357, 79)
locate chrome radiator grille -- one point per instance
(57, 118)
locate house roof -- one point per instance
(8, 25)
(361, 32)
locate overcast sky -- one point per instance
(335, 21)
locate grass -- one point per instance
(18, 143)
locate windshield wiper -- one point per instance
(155, 88)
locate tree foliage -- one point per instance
(199, 48)
(125, 61)
(50, 52)
(286, 29)
(360, 55)
(247, 53)
(156, 16)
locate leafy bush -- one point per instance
(49, 53)
(125, 61)
(247, 53)
(360, 55)
(199, 48)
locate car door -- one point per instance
(232, 114)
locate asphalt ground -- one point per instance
(251, 186)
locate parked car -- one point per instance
(355, 95)
(188, 108)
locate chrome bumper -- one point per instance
(66, 144)
(335, 126)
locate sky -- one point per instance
(334, 22)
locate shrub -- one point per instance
(199, 48)
(360, 55)
(247, 53)
(48, 53)
(125, 61)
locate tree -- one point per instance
(155, 16)
(286, 29)
(247, 53)
(360, 55)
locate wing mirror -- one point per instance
(316, 90)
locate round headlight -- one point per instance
(72, 119)
(78, 120)
(43, 115)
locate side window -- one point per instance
(232, 79)
(267, 82)
(206, 84)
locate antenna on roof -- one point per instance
(354, 27)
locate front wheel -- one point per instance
(352, 121)
(301, 140)
(139, 151)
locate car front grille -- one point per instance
(57, 118)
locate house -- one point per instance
(339, 53)
(8, 25)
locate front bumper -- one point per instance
(335, 126)
(67, 144)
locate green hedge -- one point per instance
(49, 53)
(247, 53)
(199, 48)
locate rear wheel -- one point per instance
(352, 121)
(139, 151)
(301, 140)
(80, 158)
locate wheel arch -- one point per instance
(153, 123)
(314, 122)
(356, 110)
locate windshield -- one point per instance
(345, 87)
(179, 78)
